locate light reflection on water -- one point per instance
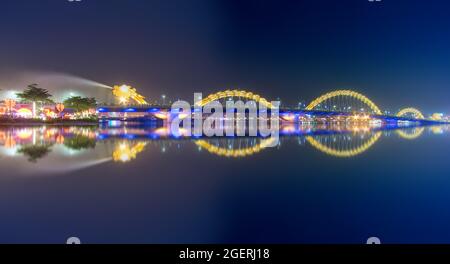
(61, 149)
(321, 184)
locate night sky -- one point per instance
(395, 51)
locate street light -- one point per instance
(164, 99)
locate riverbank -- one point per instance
(53, 122)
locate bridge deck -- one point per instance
(283, 111)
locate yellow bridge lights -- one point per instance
(235, 153)
(348, 93)
(412, 133)
(251, 96)
(344, 152)
(411, 110)
(125, 94)
(235, 93)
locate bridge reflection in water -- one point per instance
(71, 148)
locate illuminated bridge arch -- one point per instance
(411, 110)
(342, 152)
(346, 93)
(235, 93)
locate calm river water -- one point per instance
(142, 185)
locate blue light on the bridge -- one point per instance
(154, 110)
(102, 136)
(130, 110)
(153, 136)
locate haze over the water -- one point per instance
(60, 85)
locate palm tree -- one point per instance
(36, 95)
(80, 104)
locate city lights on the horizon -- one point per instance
(132, 106)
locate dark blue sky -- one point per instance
(396, 52)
